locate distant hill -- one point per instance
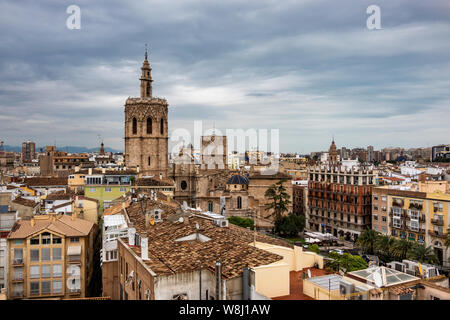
(70, 149)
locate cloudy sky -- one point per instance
(310, 68)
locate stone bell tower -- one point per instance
(146, 131)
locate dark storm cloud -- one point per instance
(310, 68)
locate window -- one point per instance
(45, 252)
(57, 270)
(107, 189)
(375, 217)
(239, 202)
(57, 286)
(57, 254)
(384, 219)
(34, 287)
(56, 240)
(162, 126)
(148, 161)
(45, 271)
(183, 185)
(149, 126)
(122, 189)
(34, 241)
(383, 198)
(34, 255)
(45, 287)
(2, 272)
(134, 126)
(210, 206)
(74, 239)
(383, 209)
(18, 242)
(45, 238)
(18, 273)
(394, 233)
(92, 190)
(375, 208)
(34, 272)
(375, 198)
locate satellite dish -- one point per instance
(377, 279)
(197, 226)
(309, 273)
(185, 206)
(181, 220)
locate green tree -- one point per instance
(422, 253)
(346, 262)
(401, 248)
(384, 246)
(367, 239)
(242, 222)
(314, 248)
(279, 199)
(289, 225)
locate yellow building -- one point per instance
(51, 256)
(418, 215)
(86, 208)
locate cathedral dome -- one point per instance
(238, 179)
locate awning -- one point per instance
(74, 250)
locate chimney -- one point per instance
(160, 176)
(137, 168)
(131, 234)
(90, 171)
(32, 221)
(147, 219)
(74, 216)
(144, 246)
(103, 170)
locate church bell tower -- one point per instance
(146, 130)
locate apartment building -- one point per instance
(340, 200)
(50, 257)
(7, 220)
(414, 215)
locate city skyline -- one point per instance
(262, 66)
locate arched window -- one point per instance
(149, 125)
(134, 126)
(149, 161)
(162, 126)
(210, 206)
(148, 89)
(239, 202)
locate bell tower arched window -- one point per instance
(239, 202)
(210, 206)
(149, 126)
(149, 161)
(134, 126)
(162, 126)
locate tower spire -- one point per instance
(146, 77)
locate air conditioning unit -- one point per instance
(223, 223)
(346, 288)
(398, 266)
(364, 296)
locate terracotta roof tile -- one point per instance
(25, 202)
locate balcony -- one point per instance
(18, 262)
(17, 278)
(438, 234)
(74, 291)
(17, 294)
(437, 222)
(416, 206)
(398, 203)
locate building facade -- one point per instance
(339, 200)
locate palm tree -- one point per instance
(384, 246)
(279, 199)
(401, 248)
(367, 239)
(422, 254)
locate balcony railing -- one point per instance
(74, 291)
(415, 206)
(17, 277)
(438, 234)
(18, 261)
(438, 222)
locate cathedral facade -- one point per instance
(146, 129)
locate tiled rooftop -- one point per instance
(229, 245)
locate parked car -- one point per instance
(339, 251)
